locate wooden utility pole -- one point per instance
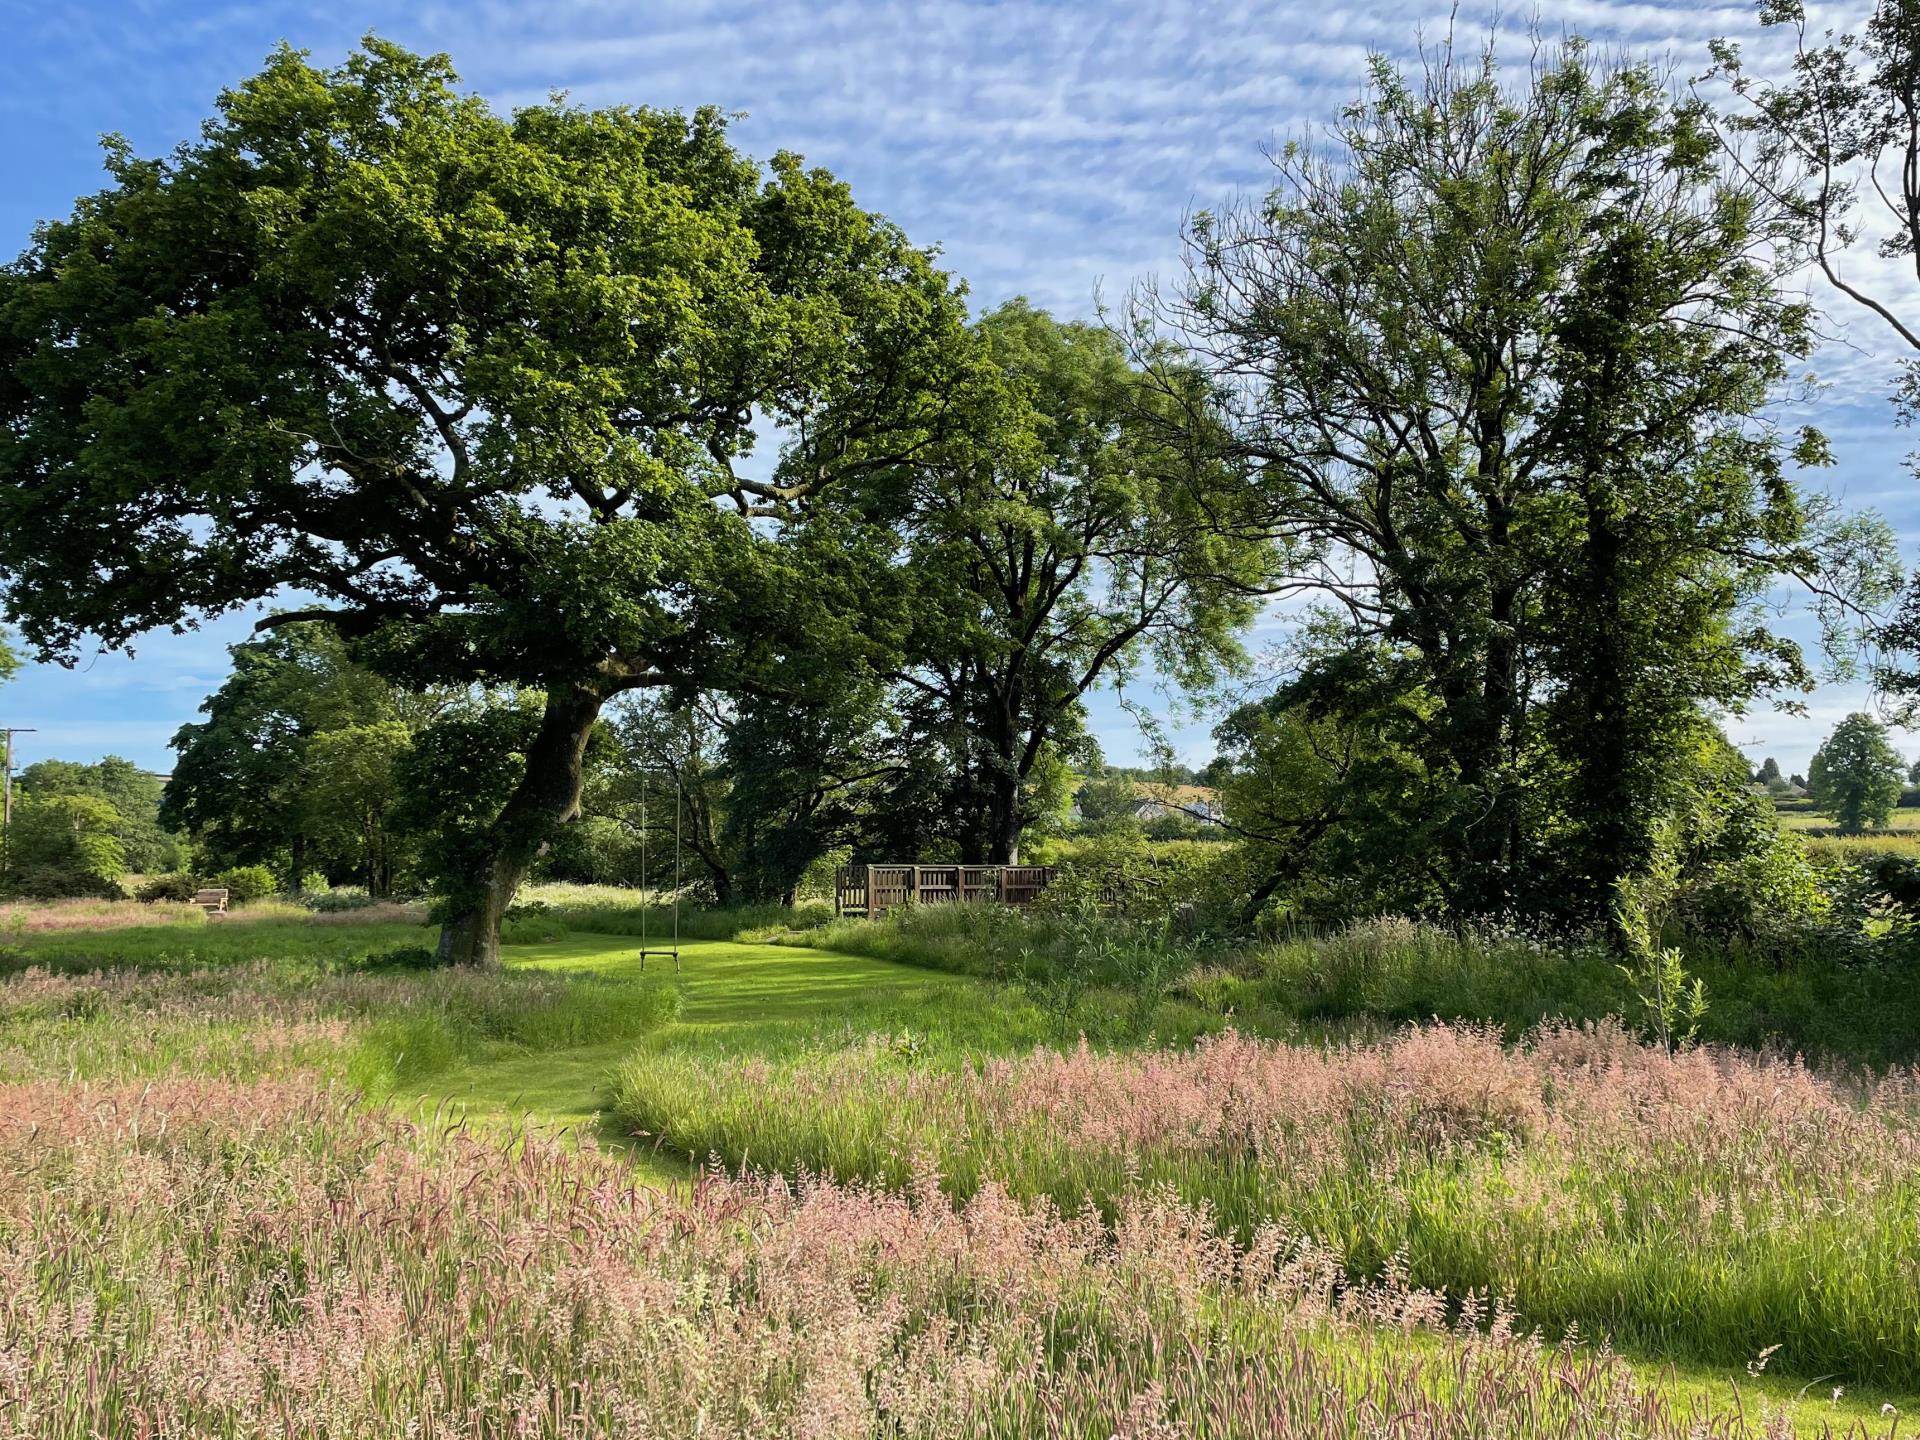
(6, 789)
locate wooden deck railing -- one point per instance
(872, 890)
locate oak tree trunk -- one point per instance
(547, 796)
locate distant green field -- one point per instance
(1902, 822)
(1900, 836)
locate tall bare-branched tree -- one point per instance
(1833, 137)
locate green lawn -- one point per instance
(736, 999)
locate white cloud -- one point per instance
(1049, 148)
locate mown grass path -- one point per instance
(734, 998)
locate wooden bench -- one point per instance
(214, 902)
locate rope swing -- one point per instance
(645, 906)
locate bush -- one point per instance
(57, 882)
(245, 883)
(402, 957)
(175, 885)
(337, 901)
(1770, 893)
(1141, 878)
(65, 847)
(533, 923)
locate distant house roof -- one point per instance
(1176, 794)
(1201, 802)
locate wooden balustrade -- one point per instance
(872, 890)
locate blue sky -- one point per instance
(1049, 148)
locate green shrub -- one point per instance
(402, 957)
(175, 885)
(1774, 894)
(57, 882)
(245, 883)
(1136, 876)
(65, 847)
(337, 900)
(532, 923)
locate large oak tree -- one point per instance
(483, 386)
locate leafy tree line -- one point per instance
(481, 385)
(77, 829)
(296, 765)
(1482, 385)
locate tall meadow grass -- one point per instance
(284, 933)
(1122, 980)
(380, 1030)
(208, 1259)
(1706, 1205)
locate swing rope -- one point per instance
(677, 807)
(646, 894)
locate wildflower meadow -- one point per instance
(786, 1191)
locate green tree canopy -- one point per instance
(481, 384)
(802, 784)
(349, 794)
(1326, 809)
(248, 784)
(1769, 772)
(1860, 774)
(64, 845)
(667, 783)
(1067, 542)
(1108, 799)
(1499, 362)
(765, 789)
(135, 795)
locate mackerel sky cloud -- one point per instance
(1049, 149)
